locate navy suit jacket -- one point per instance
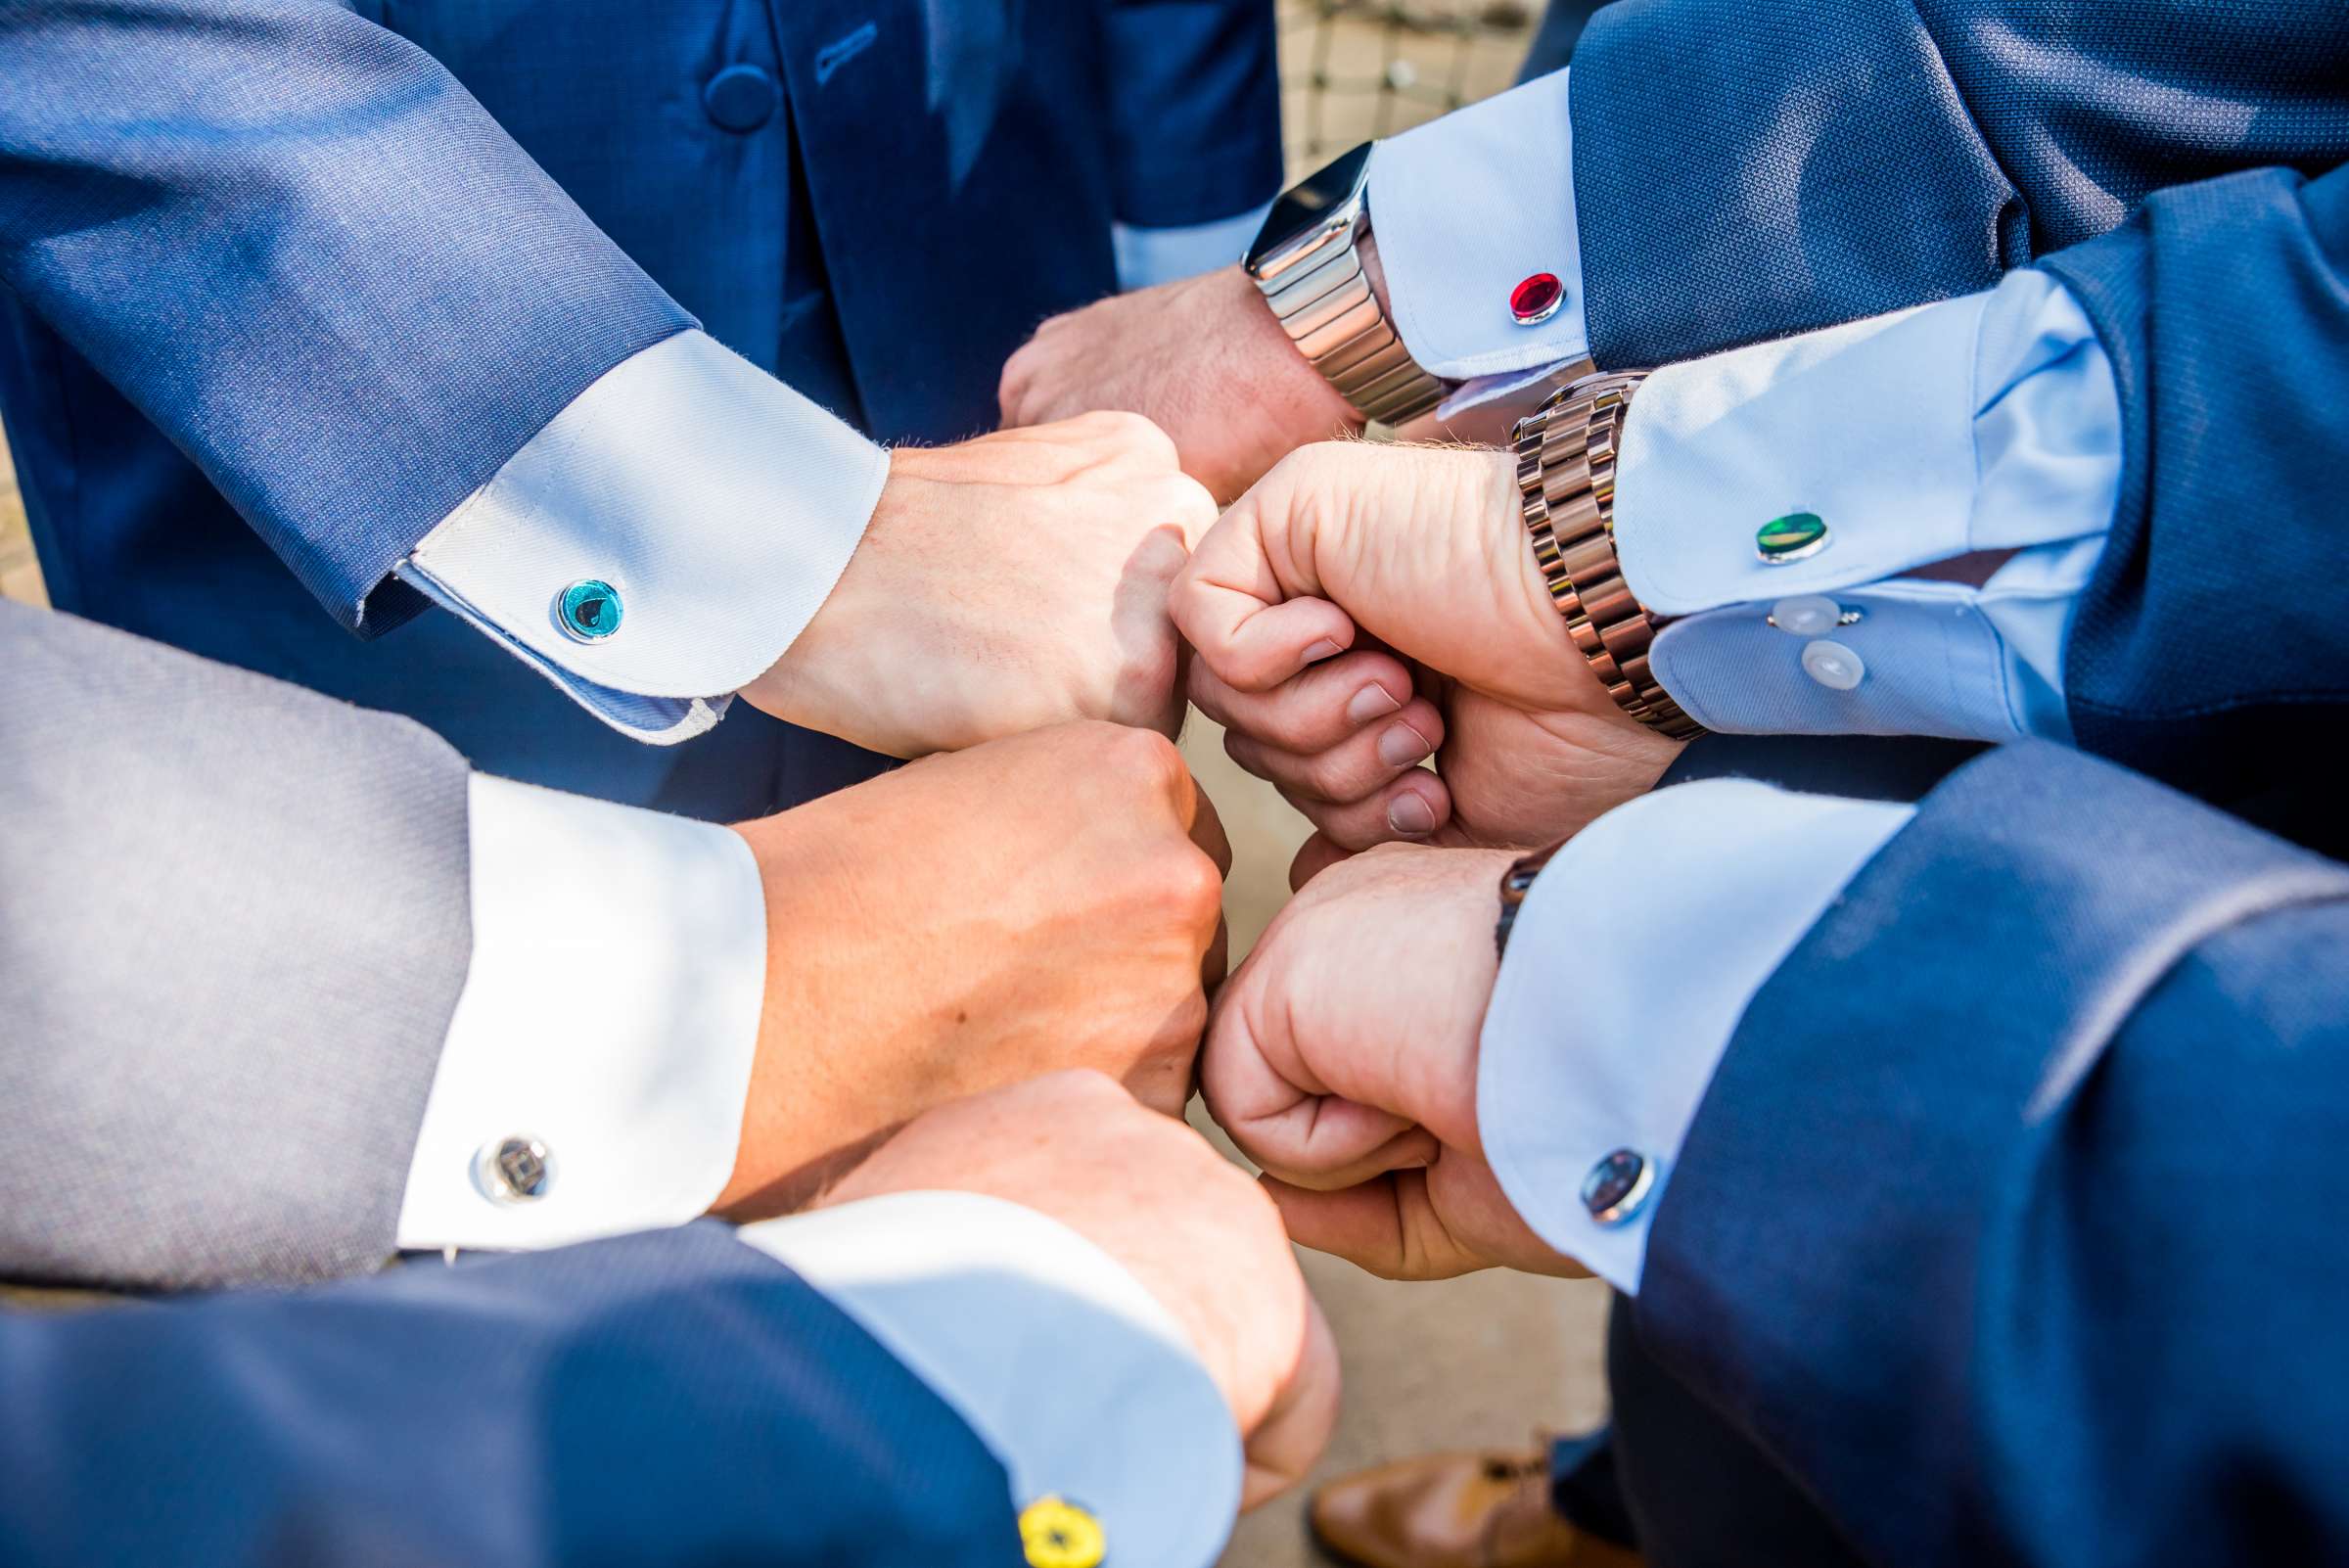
(2167, 161)
(2009, 1228)
(676, 1396)
(328, 266)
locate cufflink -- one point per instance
(1618, 1186)
(1793, 538)
(1058, 1534)
(513, 1169)
(1537, 299)
(588, 611)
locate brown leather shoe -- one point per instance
(1483, 1509)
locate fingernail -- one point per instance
(1411, 816)
(1368, 703)
(1320, 651)
(1402, 745)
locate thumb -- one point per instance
(1249, 606)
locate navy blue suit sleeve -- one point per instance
(670, 1398)
(1195, 105)
(2010, 1225)
(310, 256)
(1744, 170)
(2211, 648)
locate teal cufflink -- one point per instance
(588, 610)
(1790, 538)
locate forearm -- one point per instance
(305, 252)
(236, 924)
(1986, 1136)
(2225, 307)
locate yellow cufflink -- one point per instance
(1058, 1534)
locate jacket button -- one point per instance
(740, 99)
(1618, 1186)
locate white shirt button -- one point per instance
(1832, 664)
(1805, 614)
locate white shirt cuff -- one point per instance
(1065, 1365)
(1985, 423)
(718, 504)
(1466, 208)
(1713, 884)
(1147, 256)
(611, 1013)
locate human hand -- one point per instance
(1046, 901)
(1003, 585)
(1342, 1058)
(1422, 550)
(1182, 1220)
(1203, 357)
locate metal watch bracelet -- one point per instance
(1566, 451)
(1324, 303)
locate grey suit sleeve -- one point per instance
(234, 921)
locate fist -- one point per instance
(1343, 1059)
(1202, 357)
(1047, 901)
(1187, 1222)
(1423, 550)
(1006, 584)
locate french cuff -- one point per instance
(1986, 423)
(1466, 208)
(1074, 1375)
(700, 509)
(596, 1064)
(1151, 256)
(1588, 1076)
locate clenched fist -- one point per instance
(1046, 901)
(1423, 550)
(1184, 1221)
(1004, 583)
(1343, 1059)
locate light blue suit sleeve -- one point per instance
(1579, 1060)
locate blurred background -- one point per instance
(1466, 1362)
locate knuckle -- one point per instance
(1333, 774)
(1085, 1086)
(1145, 759)
(1193, 888)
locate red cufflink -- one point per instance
(1537, 299)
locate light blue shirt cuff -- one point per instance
(1711, 884)
(719, 506)
(1466, 208)
(1147, 256)
(1069, 1371)
(1985, 423)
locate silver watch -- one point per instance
(1307, 260)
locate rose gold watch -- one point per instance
(1566, 451)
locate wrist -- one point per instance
(1567, 453)
(793, 1135)
(1272, 375)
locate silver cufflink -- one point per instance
(513, 1169)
